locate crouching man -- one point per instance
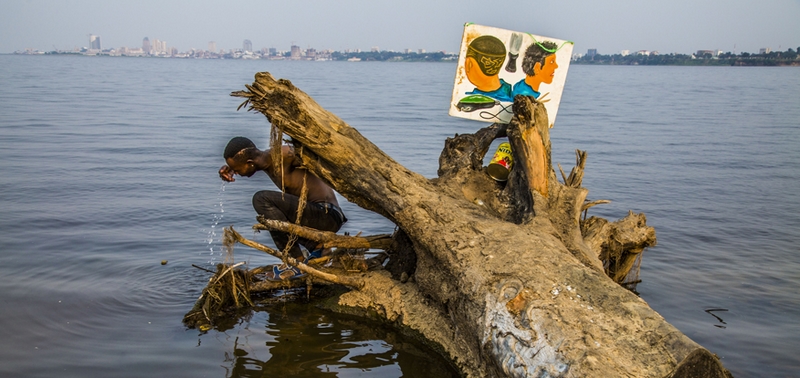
(321, 212)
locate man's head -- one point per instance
(483, 61)
(489, 52)
(237, 145)
(540, 60)
(239, 154)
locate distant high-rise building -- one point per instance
(374, 49)
(159, 46)
(296, 53)
(247, 45)
(421, 51)
(625, 52)
(212, 46)
(591, 53)
(146, 45)
(273, 51)
(94, 42)
(764, 50)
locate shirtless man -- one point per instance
(322, 211)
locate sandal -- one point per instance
(315, 254)
(282, 272)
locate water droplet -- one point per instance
(211, 234)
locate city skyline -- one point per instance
(680, 26)
(159, 47)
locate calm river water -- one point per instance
(109, 167)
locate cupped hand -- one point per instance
(226, 174)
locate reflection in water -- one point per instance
(299, 340)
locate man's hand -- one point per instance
(226, 174)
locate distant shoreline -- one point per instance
(388, 56)
(772, 59)
(735, 63)
(789, 57)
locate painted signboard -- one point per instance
(494, 65)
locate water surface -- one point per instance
(109, 167)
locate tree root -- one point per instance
(232, 288)
(619, 245)
(227, 289)
(305, 268)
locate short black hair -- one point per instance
(236, 145)
(536, 53)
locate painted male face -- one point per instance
(548, 71)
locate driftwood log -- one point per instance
(504, 281)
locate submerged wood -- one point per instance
(504, 282)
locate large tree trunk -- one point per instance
(504, 283)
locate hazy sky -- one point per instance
(680, 26)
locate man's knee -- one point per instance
(263, 201)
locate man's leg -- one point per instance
(319, 218)
(282, 207)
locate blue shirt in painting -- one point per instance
(522, 88)
(501, 94)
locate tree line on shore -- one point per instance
(438, 56)
(789, 57)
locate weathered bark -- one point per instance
(504, 282)
(619, 244)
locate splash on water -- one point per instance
(214, 240)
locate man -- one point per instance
(482, 64)
(321, 212)
(539, 65)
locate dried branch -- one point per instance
(587, 205)
(575, 178)
(327, 238)
(563, 176)
(347, 281)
